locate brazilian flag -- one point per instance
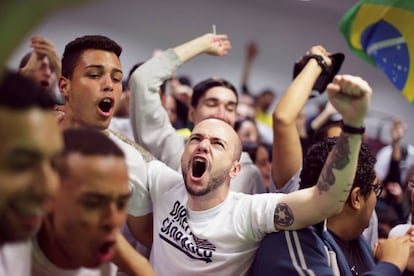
(382, 33)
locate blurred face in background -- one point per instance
(29, 145)
(218, 102)
(88, 211)
(248, 132)
(170, 105)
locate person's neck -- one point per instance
(208, 201)
(70, 121)
(343, 227)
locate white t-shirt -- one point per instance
(15, 259)
(140, 202)
(41, 266)
(220, 240)
(399, 230)
(123, 126)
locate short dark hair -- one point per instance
(322, 132)
(317, 155)
(86, 141)
(251, 149)
(18, 92)
(201, 88)
(239, 123)
(25, 60)
(184, 80)
(75, 49)
(89, 141)
(134, 67)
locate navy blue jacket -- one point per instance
(311, 251)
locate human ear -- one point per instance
(64, 87)
(355, 198)
(235, 170)
(191, 112)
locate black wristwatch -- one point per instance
(352, 130)
(319, 59)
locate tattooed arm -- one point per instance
(350, 95)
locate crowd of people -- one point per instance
(108, 173)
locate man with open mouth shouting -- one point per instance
(201, 227)
(91, 84)
(211, 98)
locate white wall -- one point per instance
(284, 29)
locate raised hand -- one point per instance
(218, 45)
(351, 96)
(398, 130)
(211, 44)
(321, 51)
(251, 50)
(394, 250)
(31, 66)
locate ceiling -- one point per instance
(283, 29)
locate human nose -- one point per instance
(47, 71)
(107, 83)
(221, 113)
(204, 146)
(113, 217)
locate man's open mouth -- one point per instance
(105, 247)
(199, 167)
(105, 105)
(44, 84)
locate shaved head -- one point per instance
(225, 131)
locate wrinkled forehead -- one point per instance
(215, 128)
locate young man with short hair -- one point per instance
(82, 224)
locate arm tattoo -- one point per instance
(283, 215)
(339, 159)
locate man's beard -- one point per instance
(213, 183)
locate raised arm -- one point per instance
(129, 260)
(286, 151)
(150, 122)
(251, 53)
(350, 95)
(323, 117)
(42, 47)
(211, 44)
(398, 130)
